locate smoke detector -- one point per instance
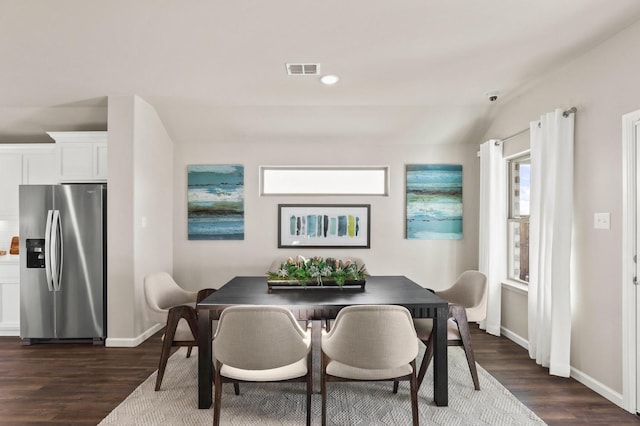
(303, 69)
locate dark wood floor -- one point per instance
(79, 384)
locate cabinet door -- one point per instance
(10, 178)
(9, 299)
(76, 161)
(40, 168)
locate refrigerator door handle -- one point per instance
(56, 255)
(47, 250)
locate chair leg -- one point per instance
(309, 387)
(189, 351)
(465, 336)
(164, 356)
(169, 333)
(395, 386)
(413, 384)
(426, 359)
(323, 388)
(236, 388)
(217, 399)
(174, 316)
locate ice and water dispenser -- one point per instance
(35, 253)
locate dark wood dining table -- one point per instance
(309, 303)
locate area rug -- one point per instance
(347, 403)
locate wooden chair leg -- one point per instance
(169, 333)
(395, 386)
(174, 316)
(217, 399)
(236, 388)
(413, 385)
(426, 359)
(189, 351)
(309, 387)
(463, 328)
(323, 388)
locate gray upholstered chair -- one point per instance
(370, 343)
(468, 302)
(173, 306)
(260, 344)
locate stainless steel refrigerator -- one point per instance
(63, 262)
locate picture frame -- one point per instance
(434, 201)
(215, 202)
(324, 225)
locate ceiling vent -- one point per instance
(303, 69)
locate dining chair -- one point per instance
(467, 299)
(370, 343)
(173, 306)
(260, 344)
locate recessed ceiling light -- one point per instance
(329, 79)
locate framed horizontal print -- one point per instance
(324, 225)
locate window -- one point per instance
(324, 180)
(518, 221)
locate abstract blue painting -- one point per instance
(215, 196)
(434, 201)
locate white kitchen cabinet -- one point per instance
(10, 178)
(9, 296)
(24, 164)
(82, 156)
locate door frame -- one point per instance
(630, 217)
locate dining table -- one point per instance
(323, 303)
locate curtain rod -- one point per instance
(566, 113)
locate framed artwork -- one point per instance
(215, 202)
(434, 201)
(324, 225)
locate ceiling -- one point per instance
(412, 71)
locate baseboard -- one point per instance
(116, 342)
(598, 387)
(588, 381)
(516, 338)
(10, 329)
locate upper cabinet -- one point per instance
(82, 156)
(24, 164)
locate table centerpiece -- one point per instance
(317, 272)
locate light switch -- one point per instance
(602, 221)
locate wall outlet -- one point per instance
(601, 221)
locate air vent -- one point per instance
(303, 69)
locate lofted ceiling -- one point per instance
(410, 71)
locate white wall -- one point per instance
(603, 84)
(431, 263)
(140, 185)
(153, 202)
(120, 249)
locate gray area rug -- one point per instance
(347, 403)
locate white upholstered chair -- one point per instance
(260, 344)
(370, 343)
(173, 306)
(467, 299)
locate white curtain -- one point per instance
(493, 216)
(550, 239)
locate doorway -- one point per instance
(630, 269)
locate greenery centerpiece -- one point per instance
(318, 271)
